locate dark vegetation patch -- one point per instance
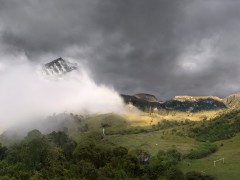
(194, 106)
(194, 175)
(202, 151)
(185, 106)
(57, 156)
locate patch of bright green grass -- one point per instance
(154, 141)
(230, 170)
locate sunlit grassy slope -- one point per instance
(143, 120)
(146, 119)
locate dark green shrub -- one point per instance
(202, 151)
(193, 175)
(175, 174)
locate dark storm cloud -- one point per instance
(46, 26)
(157, 46)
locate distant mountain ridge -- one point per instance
(179, 103)
(195, 98)
(141, 100)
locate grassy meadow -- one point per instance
(229, 150)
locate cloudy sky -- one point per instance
(163, 47)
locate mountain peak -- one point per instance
(58, 66)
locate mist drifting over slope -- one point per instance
(26, 94)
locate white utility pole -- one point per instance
(103, 131)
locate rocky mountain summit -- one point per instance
(58, 67)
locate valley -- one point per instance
(198, 130)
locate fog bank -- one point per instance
(26, 94)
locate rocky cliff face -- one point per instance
(146, 97)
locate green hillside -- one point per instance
(128, 148)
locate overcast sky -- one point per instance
(163, 47)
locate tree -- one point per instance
(62, 140)
(172, 156)
(120, 151)
(88, 170)
(175, 174)
(2, 152)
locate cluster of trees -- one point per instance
(56, 156)
(193, 175)
(202, 151)
(193, 106)
(37, 156)
(185, 106)
(222, 127)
